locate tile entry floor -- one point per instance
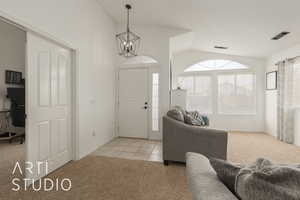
(133, 149)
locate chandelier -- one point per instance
(128, 42)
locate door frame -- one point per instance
(74, 77)
(150, 68)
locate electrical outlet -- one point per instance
(94, 133)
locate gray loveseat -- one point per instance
(203, 181)
(180, 138)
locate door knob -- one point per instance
(145, 107)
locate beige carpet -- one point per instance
(247, 147)
(9, 155)
(104, 178)
(115, 179)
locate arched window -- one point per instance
(137, 60)
(231, 92)
(210, 65)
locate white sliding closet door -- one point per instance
(48, 125)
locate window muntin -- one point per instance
(211, 65)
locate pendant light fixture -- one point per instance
(128, 42)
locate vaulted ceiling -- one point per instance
(245, 26)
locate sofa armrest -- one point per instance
(203, 181)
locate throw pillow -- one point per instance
(202, 120)
(180, 109)
(226, 172)
(264, 180)
(206, 120)
(198, 117)
(176, 114)
(189, 119)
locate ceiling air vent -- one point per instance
(220, 47)
(280, 35)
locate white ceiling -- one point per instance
(245, 26)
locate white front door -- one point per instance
(48, 96)
(133, 103)
(138, 102)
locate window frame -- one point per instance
(192, 74)
(215, 88)
(235, 73)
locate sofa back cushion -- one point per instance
(176, 114)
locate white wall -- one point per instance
(12, 48)
(12, 56)
(249, 123)
(85, 26)
(155, 42)
(271, 96)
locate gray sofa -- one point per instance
(203, 181)
(180, 138)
